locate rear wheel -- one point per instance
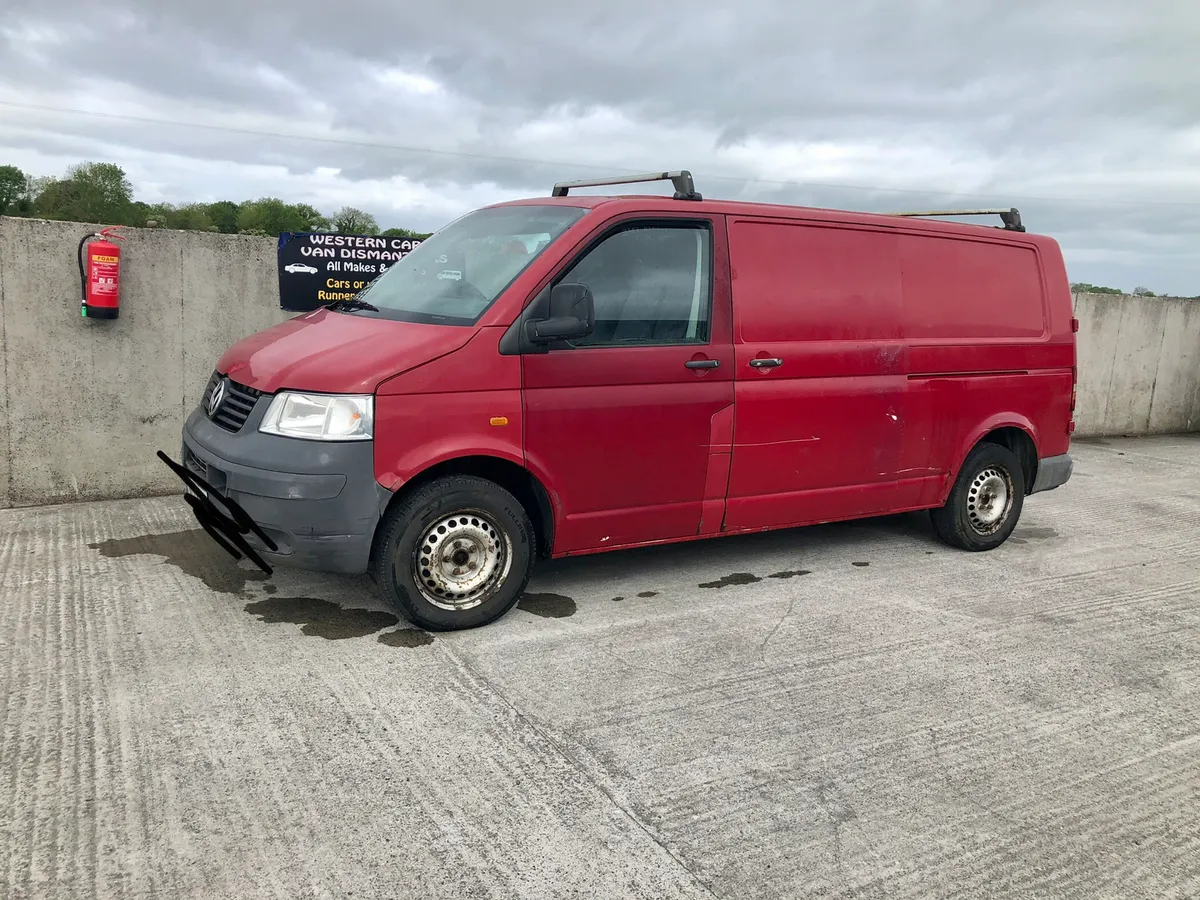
(986, 501)
(457, 553)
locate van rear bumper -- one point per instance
(1052, 472)
(319, 502)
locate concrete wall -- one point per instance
(1139, 365)
(85, 404)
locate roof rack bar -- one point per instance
(1011, 217)
(685, 188)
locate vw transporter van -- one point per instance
(574, 374)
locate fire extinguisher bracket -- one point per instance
(100, 274)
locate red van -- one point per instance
(574, 374)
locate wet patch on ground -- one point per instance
(1037, 534)
(406, 637)
(617, 599)
(791, 573)
(734, 578)
(193, 552)
(1025, 535)
(321, 618)
(548, 606)
(861, 565)
(645, 595)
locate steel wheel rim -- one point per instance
(989, 499)
(461, 560)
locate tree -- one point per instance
(224, 215)
(102, 193)
(271, 216)
(312, 218)
(349, 220)
(1143, 292)
(90, 192)
(405, 233)
(152, 215)
(14, 185)
(191, 217)
(1083, 287)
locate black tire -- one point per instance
(474, 514)
(964, 521)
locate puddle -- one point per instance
(647, 594)
(617, 599)
(736, 578)
(406, 637)
(791, 574)
(548, 606)
(193, 552)
(861, 565)
(321, 618)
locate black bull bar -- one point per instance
(226, 528)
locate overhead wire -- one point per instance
(561, 164)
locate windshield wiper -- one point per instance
(352, 304)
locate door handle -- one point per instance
(766, 363)
(702, 363)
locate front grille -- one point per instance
(235, 406)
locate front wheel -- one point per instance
(985, 503)
(457, 553)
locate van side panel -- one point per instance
(957, 289)
(983, 351)
(1061, 305)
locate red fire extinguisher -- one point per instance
(100, 284)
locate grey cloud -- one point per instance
(1027, 97)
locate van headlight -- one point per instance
(321, 417)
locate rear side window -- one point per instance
(652, 285)
(964, 289)
(798, 282)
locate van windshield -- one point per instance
(454, 276)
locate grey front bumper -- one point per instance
(1052, 472)
(319, 502)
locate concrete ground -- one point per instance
(845, 711)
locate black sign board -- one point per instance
(316, 268)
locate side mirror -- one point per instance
(572, 314)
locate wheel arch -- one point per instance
(513, 477)
(1016, 433)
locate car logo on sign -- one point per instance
(215, 398)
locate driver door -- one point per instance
(630, 427)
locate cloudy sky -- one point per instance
(1083, 113)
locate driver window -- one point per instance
(652, 286)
